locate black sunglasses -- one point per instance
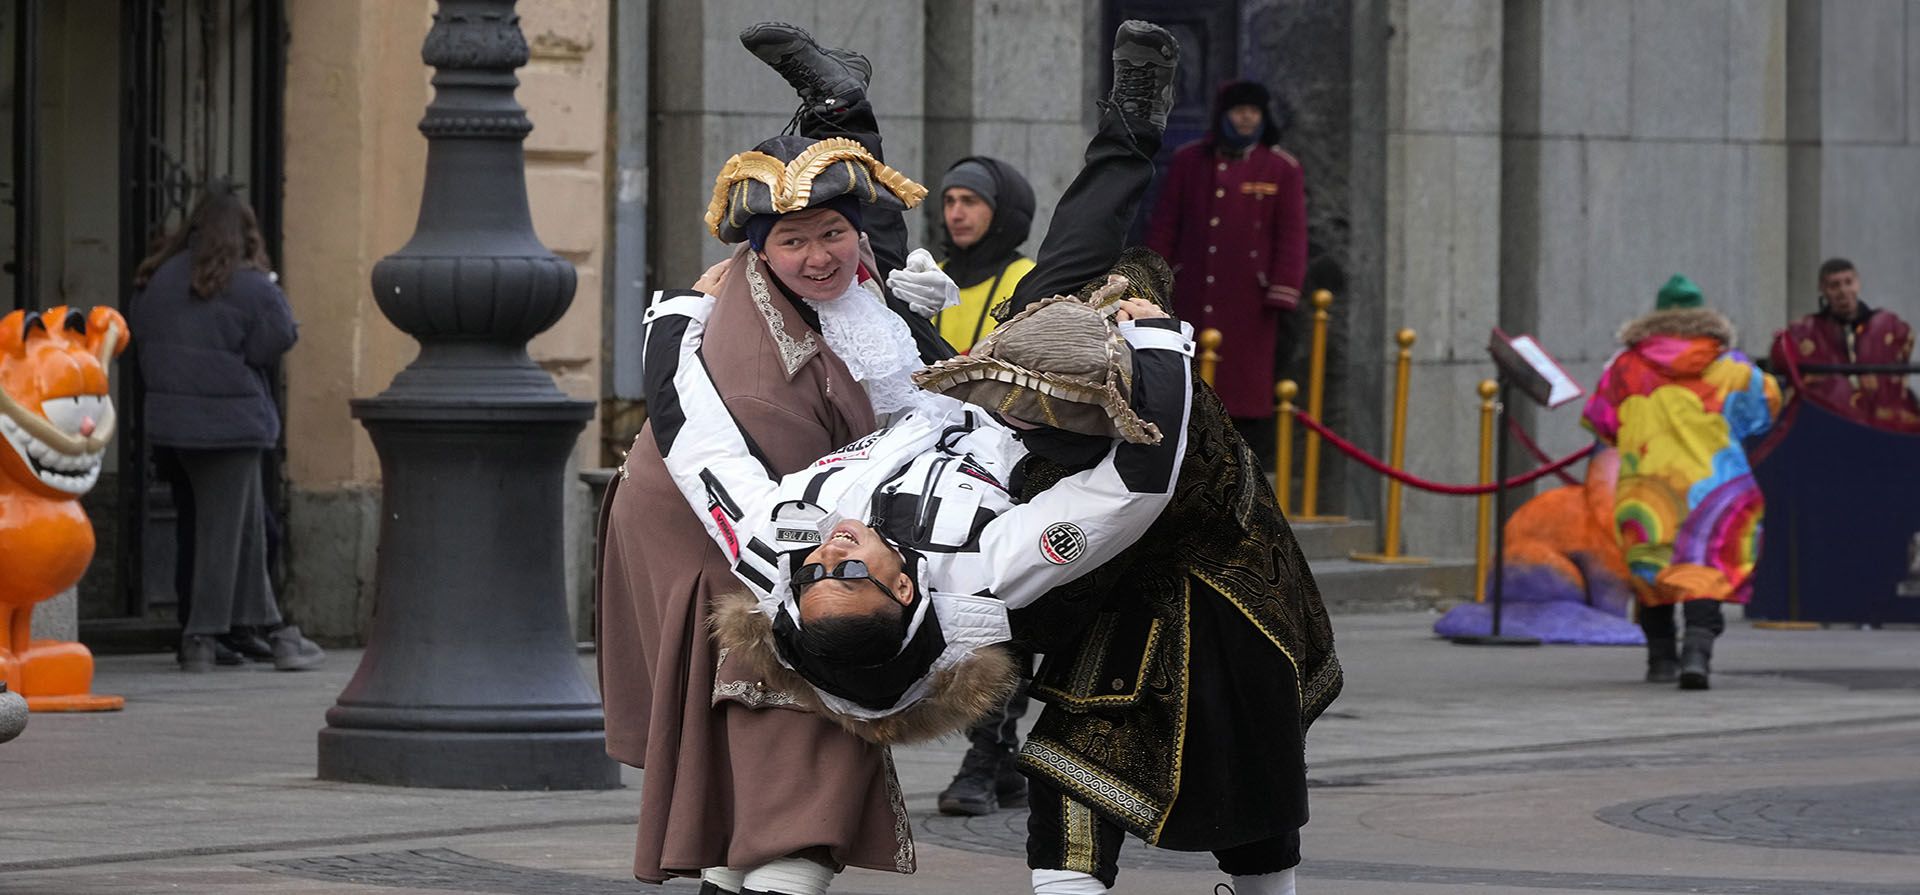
(850, 570)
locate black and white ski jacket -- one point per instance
(935, 484)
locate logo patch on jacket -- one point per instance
(797, 535)
(855, 451)
(1062, 543)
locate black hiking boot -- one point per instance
(1663, 661)
(1696, 655)
(974, 791)
(1144, 56)
(827, 80)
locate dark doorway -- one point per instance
(194, 91)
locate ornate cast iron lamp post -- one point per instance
(470, 678)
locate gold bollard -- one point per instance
(1209, 357)
(1283, 445)
(1484, 535)
(1316, 392)
(1390, 547)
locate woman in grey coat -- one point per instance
(212, 322)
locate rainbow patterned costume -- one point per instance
(1677, 402)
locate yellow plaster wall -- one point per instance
(355, 162)
(564, 89)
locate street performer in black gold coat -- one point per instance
(1180, 677)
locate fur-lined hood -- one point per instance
(1681, 322)
(960, 695)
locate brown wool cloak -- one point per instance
(736, 773)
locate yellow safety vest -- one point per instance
(966, 323)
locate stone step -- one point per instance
(1349, 586)
(1335, 540)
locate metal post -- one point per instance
(1390, 546)
(470, 678)
(1483, 530)
(1283, 445)
(1316, 393)
(1494, 637)
(1209, 354)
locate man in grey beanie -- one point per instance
(987, 209)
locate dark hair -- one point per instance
(222, 234)
(856, 639)
(1833, 266)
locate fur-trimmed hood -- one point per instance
(961, 694)
(1681, 322)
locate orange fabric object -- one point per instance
(56, 424)
(1568, 531)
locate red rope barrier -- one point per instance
(1533, 447)
(1406, 478)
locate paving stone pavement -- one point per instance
(1868, 817)
(1442, 769)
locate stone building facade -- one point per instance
(355, 163)
(1544, 165)
(1541, 165)
(355, 169)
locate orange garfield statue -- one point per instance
(56, 422)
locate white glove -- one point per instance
(923, 285)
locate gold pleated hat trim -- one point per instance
(983, 379)
(791, 185)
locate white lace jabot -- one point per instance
(874, 343)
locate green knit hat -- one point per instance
(1679, 292)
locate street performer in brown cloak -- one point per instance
(745, 787)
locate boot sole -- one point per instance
(965, 809)
(1693, 681)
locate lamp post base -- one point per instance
(446, 759)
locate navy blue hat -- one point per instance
(760, 225)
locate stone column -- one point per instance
(1441, 246)
(470, 679)
(713, 99)
(982, 61)
(1305, 51)
(1641, 140)
(1853, 115)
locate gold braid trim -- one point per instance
(791, 184)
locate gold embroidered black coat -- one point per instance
(1123, 670)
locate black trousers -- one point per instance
(998, 732)
(1089, 226)
(1063, 834)
(230, 584)
(1657, 621)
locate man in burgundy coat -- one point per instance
(1846, 331)
(1232, 220)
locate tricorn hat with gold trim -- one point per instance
(791, 173)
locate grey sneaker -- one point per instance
(292, 652)
(1144, 57)
(197, 652)
(826, 79)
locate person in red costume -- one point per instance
(1232, 220)
(1846, 331)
